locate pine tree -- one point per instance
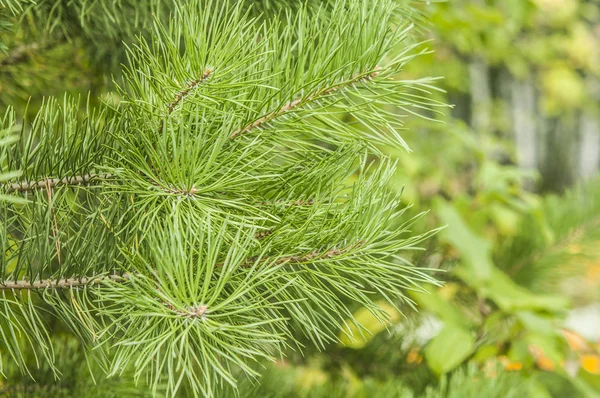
(227, 203)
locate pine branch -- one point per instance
(308, 258)
(180, 95)
(194, 311)
(289, 203)
(63, 283)
(50, 183)
(315, 96)
(268, 234)
(67, 283)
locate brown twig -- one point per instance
(307, 258)
(263, 234)
(64, 283)
(357, 78)
(295, 203)
(183, 93)
(49, 183)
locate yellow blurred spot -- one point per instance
(448, 291)
(414, 356)
(558, 11)
(541, 360)
(514, 366)
(371, 323)
(563, 88)
(575, 341)
(590, 363)
(510, 365)
(593, 271)
(545, 363)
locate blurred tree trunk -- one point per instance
(563, 148)
(557, 166)
(481, 96)
(589, 145)
(524, 118)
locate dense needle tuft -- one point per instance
(230, 206)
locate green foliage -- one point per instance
(77, 43)
(521, 35)
(230, 204)
(570, 221)
(520, 69)
(467, 382)
(449, 348)
(79, 377)
(233, 202)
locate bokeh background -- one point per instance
(510, 165)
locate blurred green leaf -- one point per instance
(447, 312)
(511, 297)
(449, 349)
(475, 251)
(538, 323)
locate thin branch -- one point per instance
(49, 183)
(183, 93)
(357, 78)
(307, 258)
(263, 234)
(87, 178)
(67, 283)
(295, 203)
(64, 283)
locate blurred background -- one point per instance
(511, 166)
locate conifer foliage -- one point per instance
(229, 204)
